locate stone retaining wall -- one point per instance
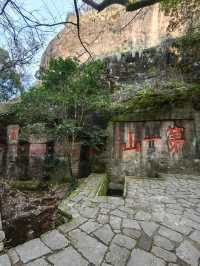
(25, 158)
(144, 145)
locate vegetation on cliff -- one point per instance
(160, 98)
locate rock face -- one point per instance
(113, 30)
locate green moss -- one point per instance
(152, 70)
(103, 187)
(155, 100)
(31, 185)
(190, 40)
(97, 166)
(56, 170)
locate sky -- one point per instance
(49, 11)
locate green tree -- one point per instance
(69, 96)
(10, 84)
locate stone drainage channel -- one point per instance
(156, 223)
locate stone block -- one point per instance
(4, 260)
(105, 234)
(188, 253)
(39, 262)
(141, 258)
(124, 241)
(163, 254)
(67, 257)
(54, 240)
(117, 255)
(91, 249)
(31, 250)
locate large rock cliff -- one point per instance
(111, 31)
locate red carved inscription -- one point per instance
(175, 139)
(131, 145)
(13, 134)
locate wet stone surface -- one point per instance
(156, 224)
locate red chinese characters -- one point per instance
(175, 139)
(13, 134)
(131, 145)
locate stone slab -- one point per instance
(117, 255)
(105, 234)
(195, 236)
(145, 242)
(149, 228)
(170, 234)
(164, 254)
(141, 258)
(54, 240)
(91, 249)
(32, 250)
(90, 226)
(124, 241)
(39, 262)
(163, 242)
(13, 256)
(188, 253)
(4, 260)
(132, 224)
(67, 257)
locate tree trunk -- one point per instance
(72, 178)
(68, 158)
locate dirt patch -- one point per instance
(28, 214)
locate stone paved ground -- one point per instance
(157, 224)
(2, 235)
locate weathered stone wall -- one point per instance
(145, 146)
(37, 152)
(25, 159)
(12, 150)
(59, 153)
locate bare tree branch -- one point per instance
(78, 27)
(134, 17)
(25, 30)
(4, 6)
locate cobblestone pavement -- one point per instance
(156, 224)
(2, 235)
